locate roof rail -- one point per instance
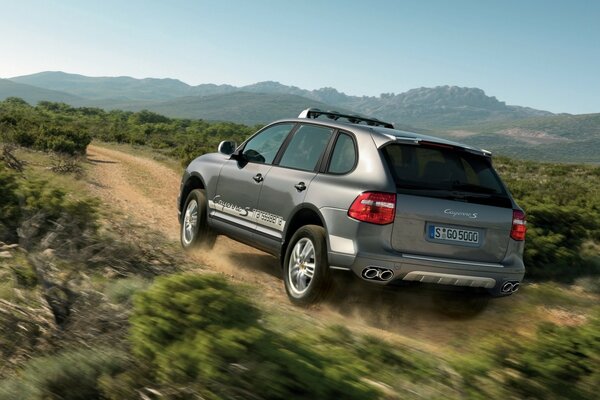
(334, 115)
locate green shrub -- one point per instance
(147, 117)
(563, 212)
(62, 140)
(561, 362)
(72, 375)
(9, 204)
(36, 207)
(25, 276)
(554, 242)
(197, 330)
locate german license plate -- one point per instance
(453, 234)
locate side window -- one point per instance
(343, 157)
(263, 147)
(306, 147)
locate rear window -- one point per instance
(445, 172)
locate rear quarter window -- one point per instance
(343, 157)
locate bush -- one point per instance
(561, 362)
(563, 212)
(72, 375)
(197, 330)
(62, 140)
(554, 242)
(9, 205)
(35, 208)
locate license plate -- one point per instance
(453, 234)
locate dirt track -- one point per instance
(147, 191)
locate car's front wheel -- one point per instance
(306, 271)
(194, 228)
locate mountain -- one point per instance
(114, 88)
(562, 137)
(32, 94)
(243, 107)
(433, 108)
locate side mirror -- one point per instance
(227, 147)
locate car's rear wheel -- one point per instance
(194, 228)
(306, 271)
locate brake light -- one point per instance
(519, 225)
(374, 207)
(435, 144)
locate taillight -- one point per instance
(374, 207)
(519, 225)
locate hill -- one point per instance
(563, 137)
(433, 108)
(33, 94)
(241, 107)
(108, 88)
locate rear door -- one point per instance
(450, 203)
(287, 182)
(240, 181)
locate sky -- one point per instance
(540, 54)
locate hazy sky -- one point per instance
(542, 54)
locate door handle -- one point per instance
(258, 178)
(300, 186)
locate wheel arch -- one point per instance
(194, 181)
(303, 214)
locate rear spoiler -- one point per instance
(425, 142)
(314, 113)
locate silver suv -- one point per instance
(330, 191)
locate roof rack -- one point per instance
(352, 118)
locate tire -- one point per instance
(302, 288)
(194, 231)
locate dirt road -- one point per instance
(147, 190)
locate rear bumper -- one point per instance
(418, 268)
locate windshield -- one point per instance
(445, 172)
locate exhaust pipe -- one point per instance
(386, 275)
(510, 287)
(370, 273)
(377, 274)
(507, 287)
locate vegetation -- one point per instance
(61, 128)
(71, 375)
(558, 138)
(197, 330)
(55, 257)
(582, 126)
(69, 276)
(563, 210)
(559, 363)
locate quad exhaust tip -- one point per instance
(510, 287)
(377, 274)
